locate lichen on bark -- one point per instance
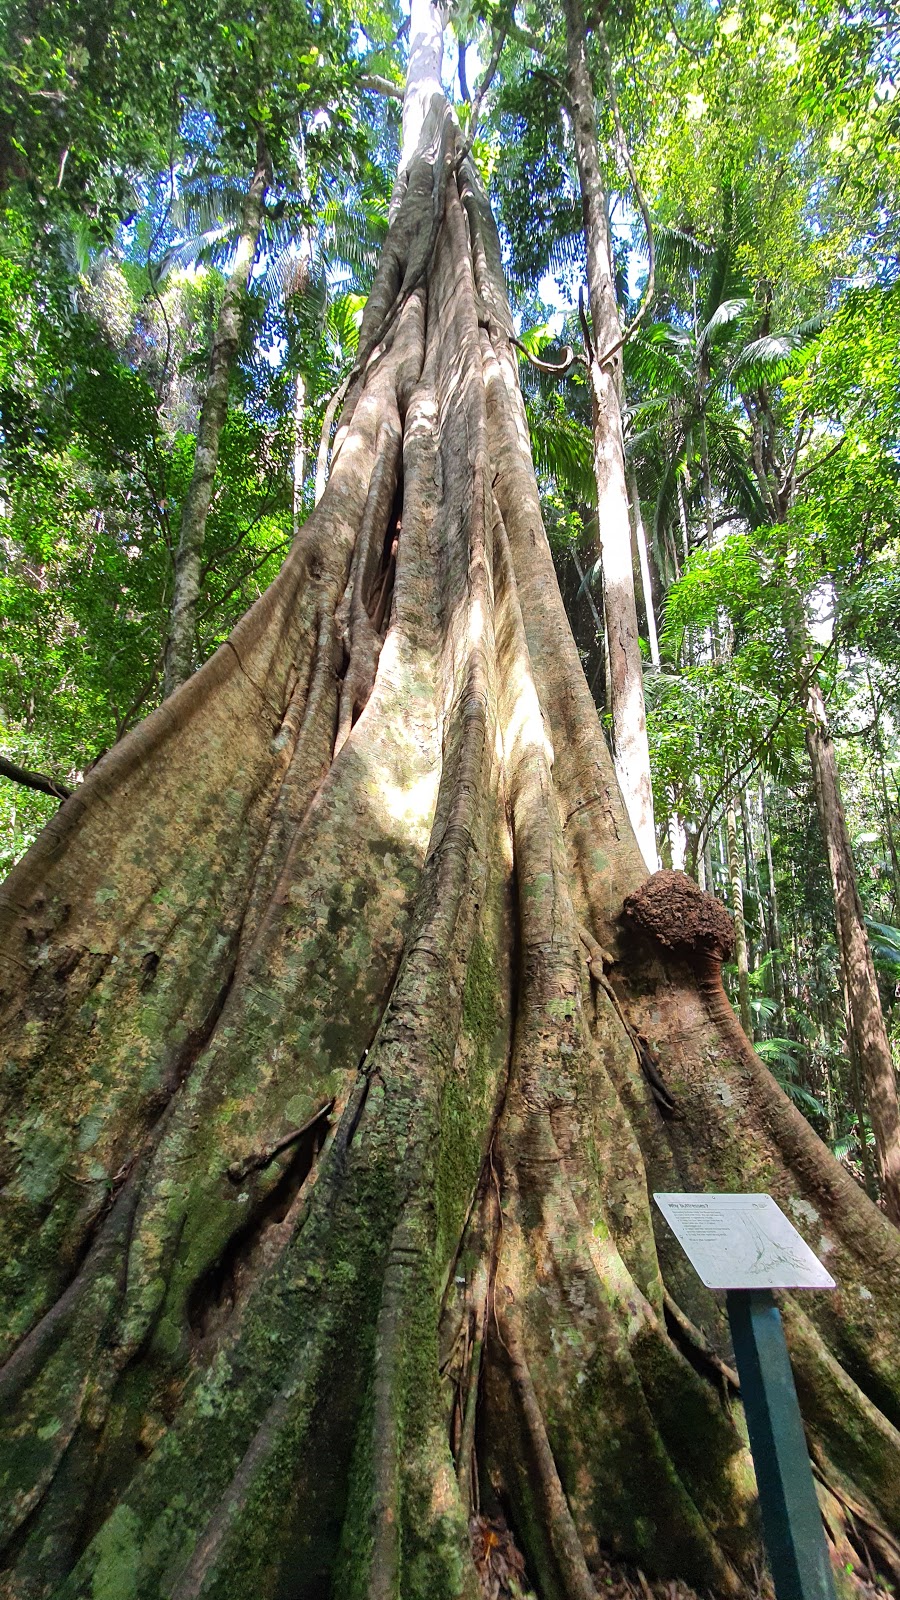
(329, 1141)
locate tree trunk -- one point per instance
(754, 949)
(299, 450)
(865, 1019)
(179, 655)
(677, 840)
(329, 1143)
(640, 539)
(737, 911)
(774, 919)
(859, 1105)
(626, 684)
(889, 837)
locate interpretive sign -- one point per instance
(745, 1244)
(742, 1241)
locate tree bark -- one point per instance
(626, 684)
(865, 1017)
(179, 654)
(326, 1107)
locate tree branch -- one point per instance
(585, 328)
(691, 50)
(558, 370)
(33, 780)
(374, 81)
(325, 436)
(820, 461)
(463, 81)
(480, 93)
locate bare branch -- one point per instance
(374, 80)
(480, 93)
(820, 461)
(33, 780)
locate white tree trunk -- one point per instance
(626, 686)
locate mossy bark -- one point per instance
(329, 1140)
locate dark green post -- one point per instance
(792, 1522)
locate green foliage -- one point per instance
(783, 1059)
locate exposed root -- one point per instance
(698, 1345)
(598, 962)
(554, 1507)
(261, 1158)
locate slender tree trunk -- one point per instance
(677, 841)
(682, 521)
(708, 873)
(752, 875)
(328, 1139)
(890, 838)
(865, 1016)
(737, 911)
(859, 1106)
(179, 655)
(775, 921)
(795, 941)
(626, 684)
(640, 538)
(599, 624)
(299, 450)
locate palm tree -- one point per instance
(694, 422)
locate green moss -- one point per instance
(469, 1094)
(118, 1551)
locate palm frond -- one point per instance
(214, 248)
(562, 449)
(343, 320)
(678, 251)
(566, 251)
(768, 359)
(884, 940)
(656, 360)
(353, 236)
(724, 314)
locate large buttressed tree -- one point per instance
(345, 1042)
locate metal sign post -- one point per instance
(746, 1245)
(792, 1522)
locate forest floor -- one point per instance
(501, 1569)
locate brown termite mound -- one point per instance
(329, 1143)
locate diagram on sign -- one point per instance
(742, 1241)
